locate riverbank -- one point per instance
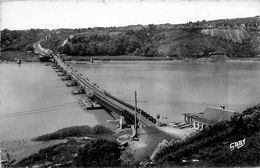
(87, 59)
(65, 151)
(60, 152)
(115, 58)
(21, 148)
(22, 151)
(13, 56)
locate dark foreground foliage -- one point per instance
(76, 153)
(99, 152)
(212, 146)
(61, 155)
(75, 131)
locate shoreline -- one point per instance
(131, 60)
(149, 138)
(12, 56)
(81, 60)
(22, 148)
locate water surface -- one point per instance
(174, 88)
(34, 101)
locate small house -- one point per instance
(210, 116)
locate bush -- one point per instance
(76, 131)
(99, 152)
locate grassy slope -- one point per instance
(211, 147)
(188, 44)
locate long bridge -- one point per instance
(101, 96)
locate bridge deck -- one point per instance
(103, 97)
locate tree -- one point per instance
(66, 49)
(116, 46)
(132, 46)
(138, 52)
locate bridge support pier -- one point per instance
(105, 99)
(62, 74)
(65, 78)
(72, 83)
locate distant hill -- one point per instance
(233, 37)
(211, 147)
(249, 22)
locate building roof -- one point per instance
(212, 115)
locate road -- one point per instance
(40, 50)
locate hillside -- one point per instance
(211, 147)
(235, 38)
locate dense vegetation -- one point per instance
(99, 152)
(55, 38)
(178, 41)
(112, 43)
(211, 146)
(76, 153)
(20, 40)
(157, 42)
(75, 131)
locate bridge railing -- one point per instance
(100, 93)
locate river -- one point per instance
(34, 101)
(174, 88)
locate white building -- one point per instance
(209, 117)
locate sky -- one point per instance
(21, 14)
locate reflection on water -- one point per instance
(173, 88)
(34, 101)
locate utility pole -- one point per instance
(136, 113)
